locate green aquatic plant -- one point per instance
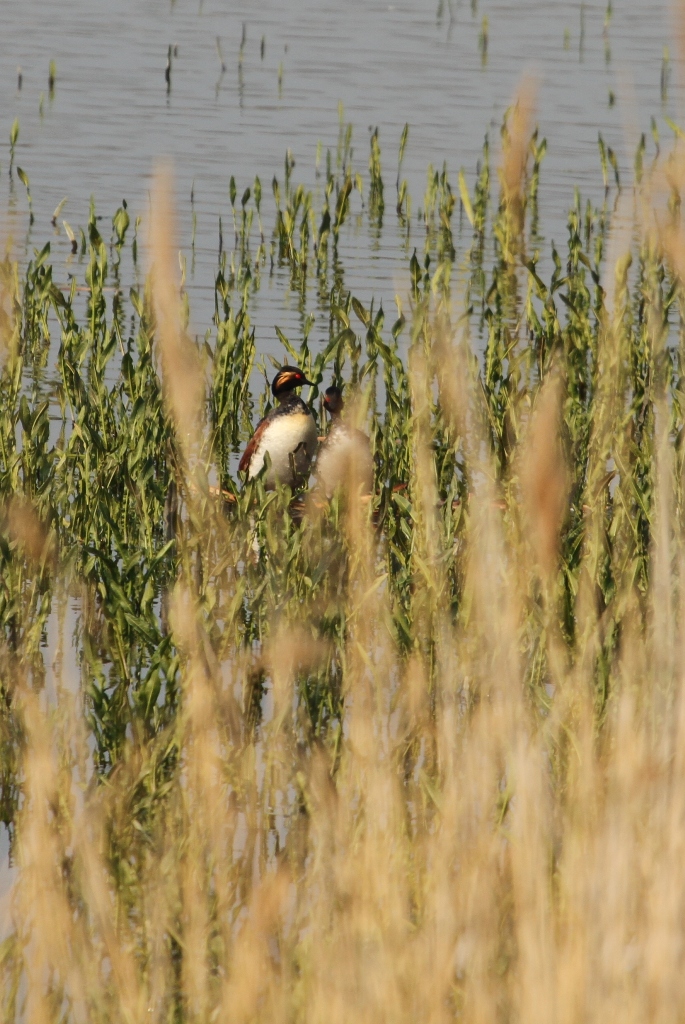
(14, 137)
(269, 755)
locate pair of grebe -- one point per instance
(288, 433)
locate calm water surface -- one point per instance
(409, 61)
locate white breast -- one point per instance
(345, 460)
(293, 434)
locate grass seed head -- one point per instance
(181, 370)
(515, 151)
(544, 478)
(24, 527)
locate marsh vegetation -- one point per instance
(418, 757)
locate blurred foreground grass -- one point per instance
(419, 760)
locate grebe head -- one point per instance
(288, 378)
(333, 401)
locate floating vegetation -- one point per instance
(665, 75)
(324, 753)
(14, 138)
(219, 53)
(605, 34)
(243, 40)
(483, 40)
(24, 179)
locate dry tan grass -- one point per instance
(455, 856)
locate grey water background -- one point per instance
(409, 61)
(415, 61)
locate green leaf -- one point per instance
(530, 266)
(347, 337)
(678, 132)
(286, 344)
(397, 326)
(342, 203)
(403, 142)
(603, 159)
(340, 315)
(136, 302)
(120, 222)
(362, 314)
(59, 208)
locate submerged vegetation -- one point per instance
(412, 758)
